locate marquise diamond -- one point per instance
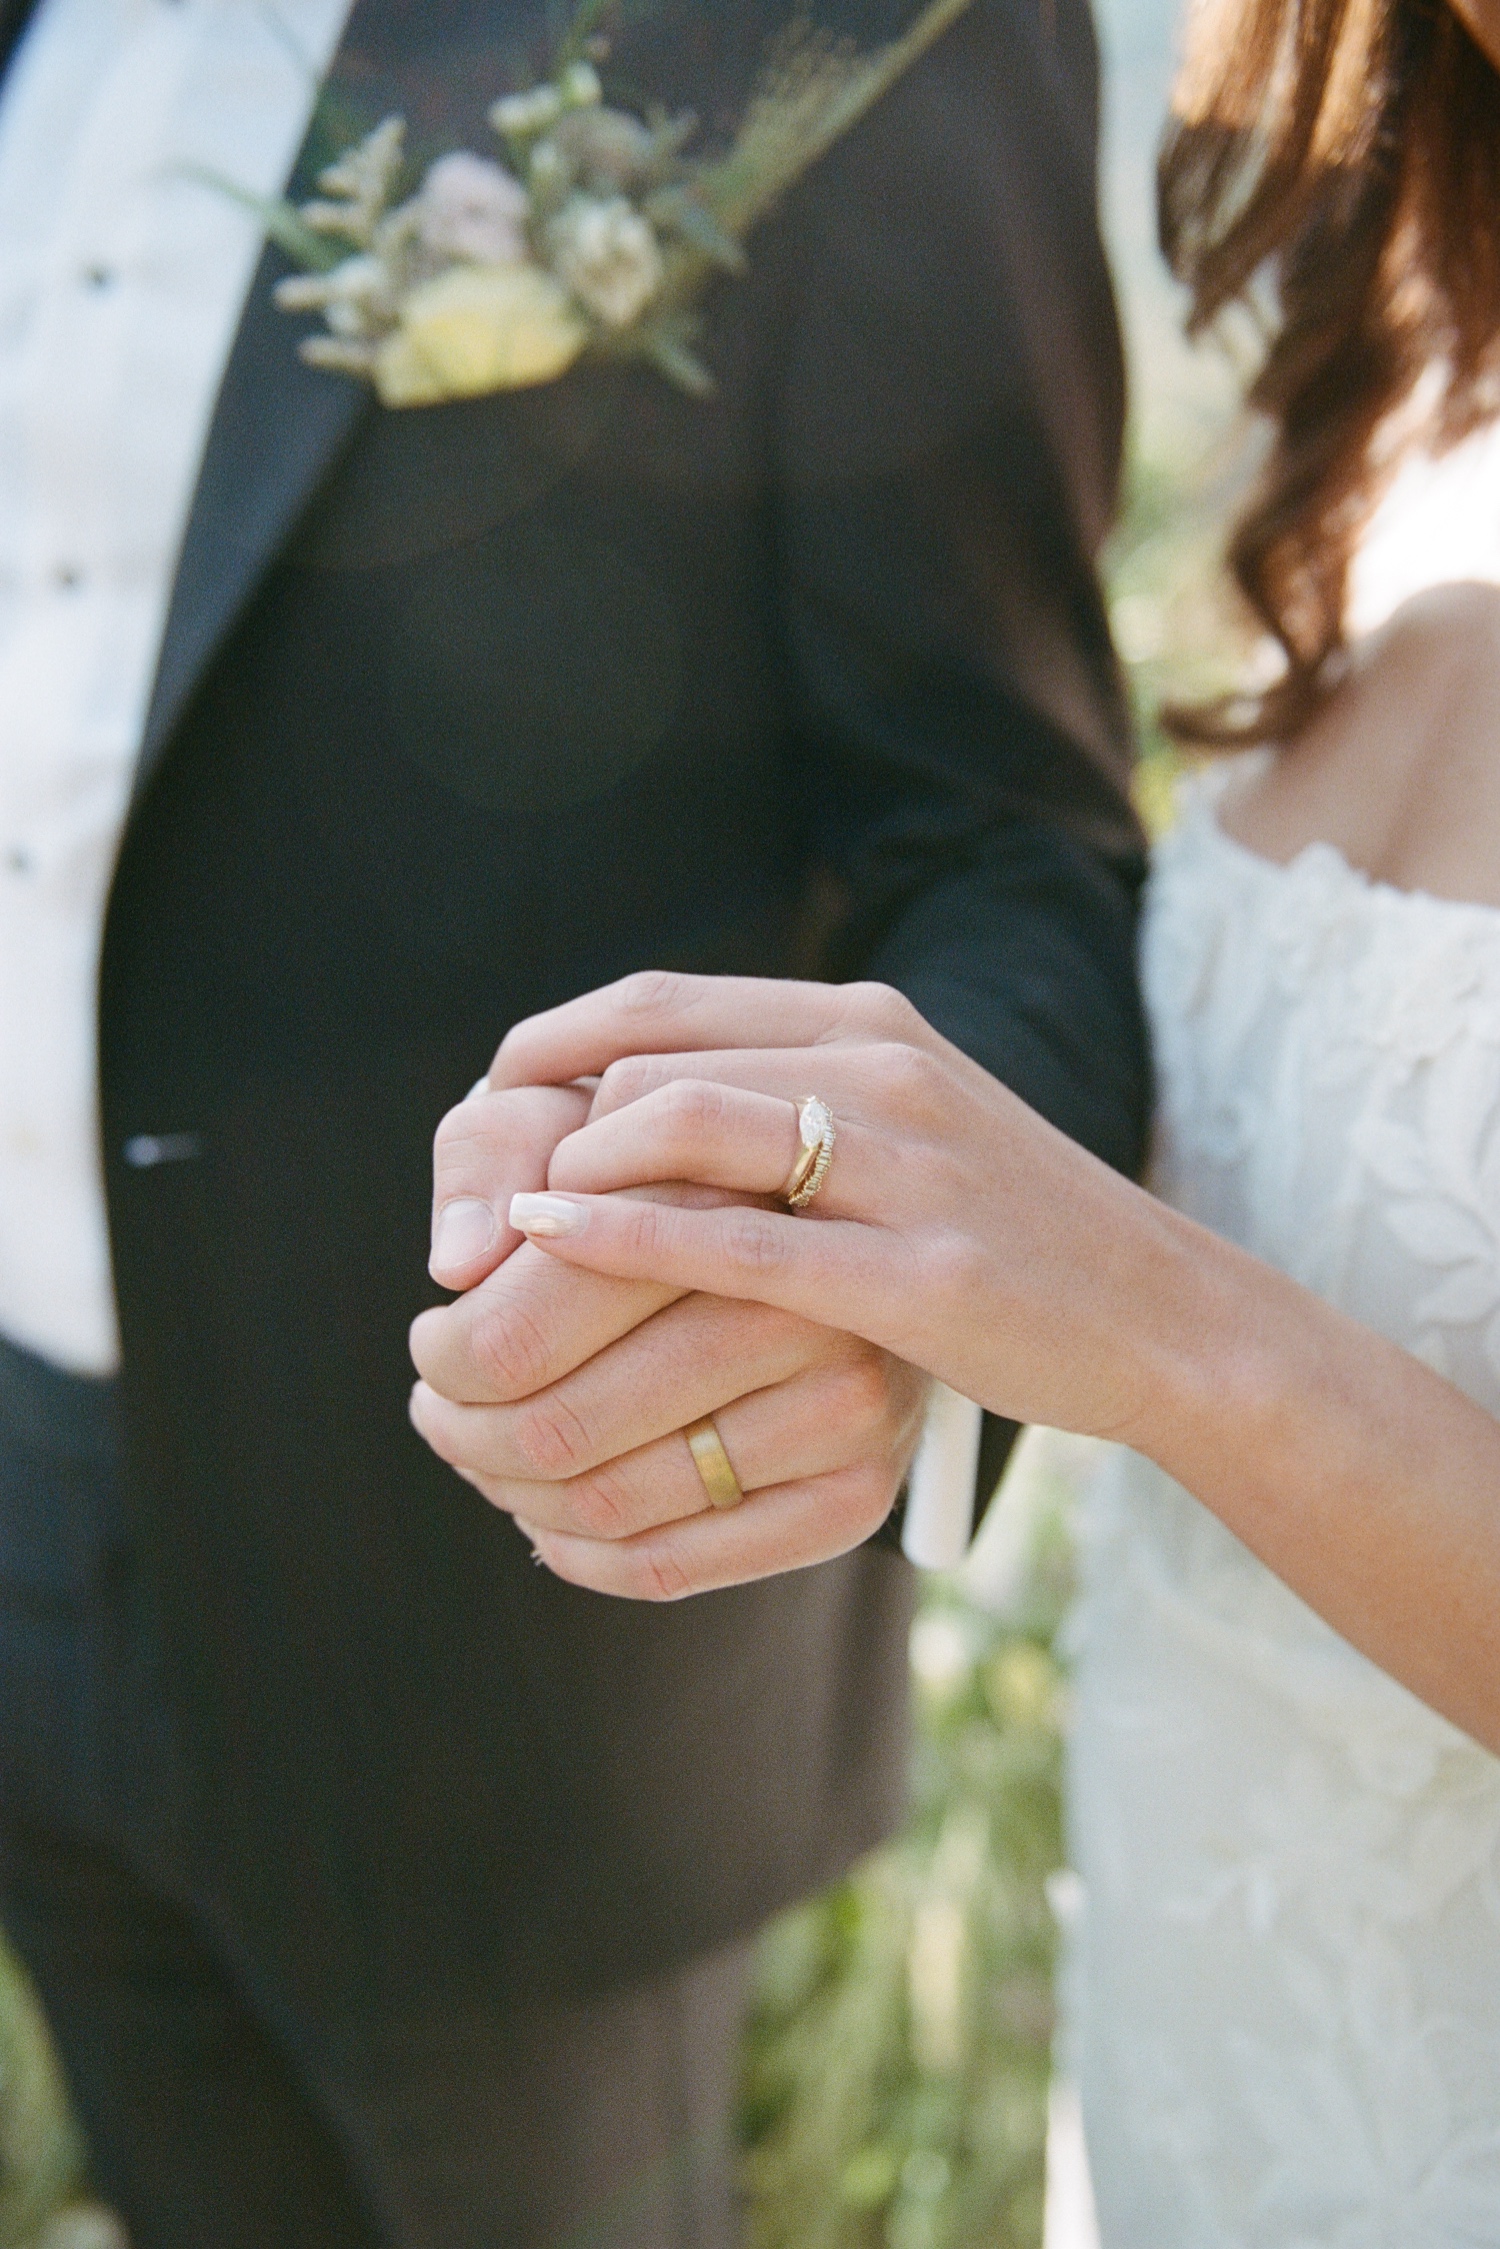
(813, 1121)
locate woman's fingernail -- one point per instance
(465, 1230)
(546, 1215)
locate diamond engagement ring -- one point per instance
(815, 1126)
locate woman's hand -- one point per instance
(956, 1228)
(964, 1234)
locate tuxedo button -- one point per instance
(145, 1150)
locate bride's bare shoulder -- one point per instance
(1401, 769)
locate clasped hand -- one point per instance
(561, 1395)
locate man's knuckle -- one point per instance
(659, 1575)
(880, 1009)
(752, 1244)
(511, 1350)
(695, 1109)
(491, 1126)
(854, 1505)
(910, 1080)
(952, 1273)
(647, 1227)
(860, 1394)
(600, 1506)
(627, 1081)
(650, 992)
(550, 1439)
(455, 1131)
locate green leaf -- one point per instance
(869, 2177)
(679, 363)
(812, 93)
(282, 224)
(679, 209)
(586, 20)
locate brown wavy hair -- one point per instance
(1333, 166)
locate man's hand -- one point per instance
(491, 1146)
(562, 1396)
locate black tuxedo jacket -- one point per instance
(461, 711)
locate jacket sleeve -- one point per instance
(949, 412)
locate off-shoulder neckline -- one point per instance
(1206, 793)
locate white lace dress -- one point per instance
(1283, 1998)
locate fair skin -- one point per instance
(561, 1396)
(1399, 770)
(960, 1233)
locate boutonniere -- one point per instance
(592, 234)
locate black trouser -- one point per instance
(601, 2124)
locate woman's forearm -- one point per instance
(964, 1234)
(1366, 1482)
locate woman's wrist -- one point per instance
(1249, 1377)
(1208, 1345)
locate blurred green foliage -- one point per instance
(40, 2153)
(898, 2049)
(42, 2204)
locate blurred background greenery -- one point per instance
(898, 2055)
(898, 2051)
(43, 2201)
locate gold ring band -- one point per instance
(713, 1464)
(815, 1130)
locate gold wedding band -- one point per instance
(713, 1463)
(815, 1130)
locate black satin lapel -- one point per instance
(278, 428)
(14, 17)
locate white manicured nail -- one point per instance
(546, 1215)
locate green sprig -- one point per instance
(282, 223)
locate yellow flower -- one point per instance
(479, 328)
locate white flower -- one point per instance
(550, 172)
(356, 298)
(522, 117)
(472, 208)
(339, 358)
(607, 150)
(581, 86)
(608, 255)
(358, 187)
(518, 116)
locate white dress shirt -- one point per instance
(122, 281)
